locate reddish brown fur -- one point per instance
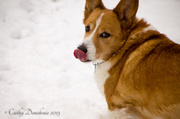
(149, 83)
(145, 72)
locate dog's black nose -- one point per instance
(83, 48)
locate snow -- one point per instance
(37, 68)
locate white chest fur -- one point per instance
(101, 74)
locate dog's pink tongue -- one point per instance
(80, 55)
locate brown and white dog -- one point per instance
(137, 67)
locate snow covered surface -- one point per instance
(38, 71)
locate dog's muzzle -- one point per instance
(80, 53)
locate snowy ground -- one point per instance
(38, 71)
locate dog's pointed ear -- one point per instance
(126, 12)
(91, 5)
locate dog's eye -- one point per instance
(105, 35)
(87, 28)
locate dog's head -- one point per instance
(106, 31)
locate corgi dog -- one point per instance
(137, 67)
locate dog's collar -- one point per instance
(96, 64)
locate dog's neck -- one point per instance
(137, 35)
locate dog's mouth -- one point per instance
(79, 54)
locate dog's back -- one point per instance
(161, 74)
